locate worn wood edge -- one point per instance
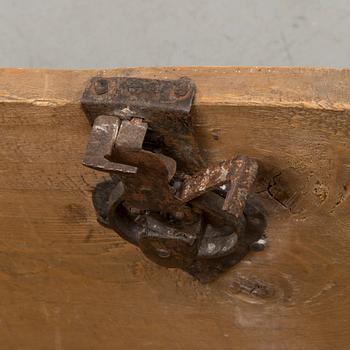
(265, 86)
(57, 93)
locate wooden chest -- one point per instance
(69, 283)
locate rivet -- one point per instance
(163, 253)
(101, 86)
(259, 245)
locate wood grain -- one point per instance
(68, 283)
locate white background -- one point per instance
(112, 33)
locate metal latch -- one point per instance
(162, 197)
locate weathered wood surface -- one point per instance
(68, 283)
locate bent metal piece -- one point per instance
(142, 135)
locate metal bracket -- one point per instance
(162, 196)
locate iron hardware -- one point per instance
(162, 197)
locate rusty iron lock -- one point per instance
(162, 197)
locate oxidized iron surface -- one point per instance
(161, 197)
(164, 104)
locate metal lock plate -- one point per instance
(162, 197)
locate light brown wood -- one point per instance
(68, 283)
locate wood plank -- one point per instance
(68, 283)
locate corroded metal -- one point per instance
(177, 211)
(242, 177)
(163, 104)
(100, 144)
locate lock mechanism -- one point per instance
(162, 196)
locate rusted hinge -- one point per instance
(162, 196)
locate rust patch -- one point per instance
(201, 223)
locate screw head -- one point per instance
(163, 253)
(181, 87)
(101, 86)
(259, 245)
